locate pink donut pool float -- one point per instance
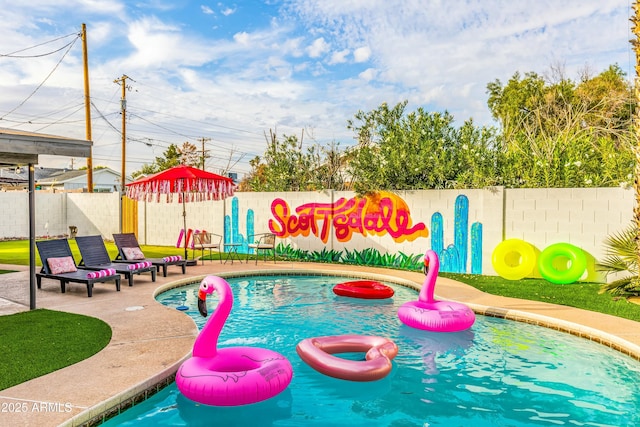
(229, 376)
(430, 314)
(319, 353)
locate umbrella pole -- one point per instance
(184, 220)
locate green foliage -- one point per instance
(289, 252)
(419, 150)
(565, 134)
(37, 342)
(621, 257)
(173, 156)
(285, 166)
(324, 255)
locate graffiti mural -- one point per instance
(381, 214)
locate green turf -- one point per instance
(579, 295)
(38, 342)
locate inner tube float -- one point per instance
(319, 353)
(229, 376)
(430, 314)
(569, 271)
(368, 289)
(514, 259)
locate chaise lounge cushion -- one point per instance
(61, 265)
(101, 273)
(133, 253)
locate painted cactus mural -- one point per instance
(454, 258)
(232, 227)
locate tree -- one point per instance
(419, 150)
(189, 155)
(286, 167)
(171, 157)
(562, 133)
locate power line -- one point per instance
(13, 54)
(44, 81)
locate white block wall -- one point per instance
(583, 217)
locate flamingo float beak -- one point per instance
(202, 303)
(425, 268)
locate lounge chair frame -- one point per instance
(129, 240)
(96, 257)
(60, 248)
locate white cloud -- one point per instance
(368, 74)
(362, 54)
(228, 11)
(339, 57)
(207, 10)
(318, 48)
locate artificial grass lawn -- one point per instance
(35, 343)
(579, 295)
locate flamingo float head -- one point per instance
(425, 267)
(207, 286)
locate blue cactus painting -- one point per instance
(454, 258)
(232, 227)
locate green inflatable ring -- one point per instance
(514, 259)
(562, 276)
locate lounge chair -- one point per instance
(205, 240)
(58, 264)
(95, 257)
(266, 242)
(129, 251)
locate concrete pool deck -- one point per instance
(150, 340)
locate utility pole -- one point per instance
(203, 140)
(122, 81)
(87, 108)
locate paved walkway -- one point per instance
(150, 340)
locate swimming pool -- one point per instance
(499, 373)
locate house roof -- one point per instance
(64, 175)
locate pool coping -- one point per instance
(619, 334)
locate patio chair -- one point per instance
(58, 264)
(204, 240)
(266, 242)
(95, 257)
(129, 251)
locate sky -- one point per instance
(222, 75)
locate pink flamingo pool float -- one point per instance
(229, 376)
(430, 314)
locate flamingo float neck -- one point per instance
(206, 344)
(428, 286)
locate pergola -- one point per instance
(18, 148)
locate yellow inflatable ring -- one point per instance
(514, 259)
(552, 273)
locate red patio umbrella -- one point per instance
(188, 183)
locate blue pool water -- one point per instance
(498, 373)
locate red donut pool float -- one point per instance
(368, 289)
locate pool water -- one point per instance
(498, 373)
